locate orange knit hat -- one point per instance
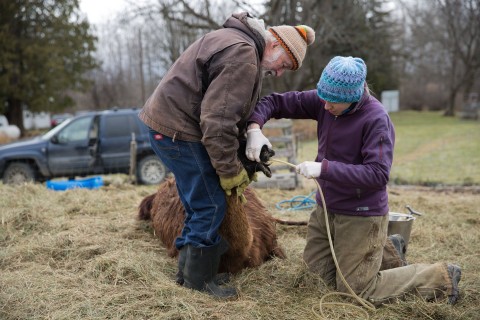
(295, 41)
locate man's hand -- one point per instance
(240, 181)
(255, 141)
(309, 169)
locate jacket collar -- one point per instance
(240, 21)
(363, 100)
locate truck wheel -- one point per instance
(151, 170)
(18, 173)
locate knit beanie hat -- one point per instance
(342, 80)
(295, 41)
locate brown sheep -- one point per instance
(249, 229)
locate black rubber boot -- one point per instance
(201, 267)
(399, 244)
(220, 278)
(455, 273)
(182, 256)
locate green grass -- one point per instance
(430, 149)
(434, 149)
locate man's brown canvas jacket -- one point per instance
(210, 92)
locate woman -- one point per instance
(355, 152)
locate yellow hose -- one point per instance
(323, 304)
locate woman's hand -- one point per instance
(309, 169)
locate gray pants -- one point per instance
(360, 245)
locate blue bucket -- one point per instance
(89, 183)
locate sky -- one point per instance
(101, 10)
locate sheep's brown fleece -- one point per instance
(249, 229)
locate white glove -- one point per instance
(309, 169)
(255, 141)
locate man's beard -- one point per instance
(270, 61)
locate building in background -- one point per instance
(36, 120)
(390, 100)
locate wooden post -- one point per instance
(133, 160)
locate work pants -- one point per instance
(359, 244)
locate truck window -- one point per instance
(120, 126)
(75, 131)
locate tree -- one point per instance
(139, 49)
(45, 50)
(361, 28)
(462, 40)
(445, 49)
(138, 46)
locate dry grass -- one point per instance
(81, 254)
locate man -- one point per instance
(197, 114)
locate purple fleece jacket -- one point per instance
(356, 149)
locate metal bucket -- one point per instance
(400, 223)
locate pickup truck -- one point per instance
(93, 143)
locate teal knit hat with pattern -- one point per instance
(342, 80)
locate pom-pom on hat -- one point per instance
(342, 80)
(295, 41)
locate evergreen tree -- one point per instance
(46, 47)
